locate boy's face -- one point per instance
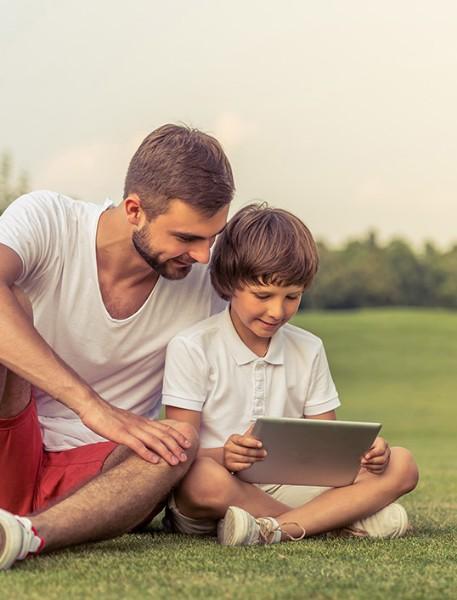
(258, 311)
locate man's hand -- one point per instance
(151, 440)
(377, 458)
(241, 451)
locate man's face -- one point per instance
(173, 241)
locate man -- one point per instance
(89, 298)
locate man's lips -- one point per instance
(182, 263)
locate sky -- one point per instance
(343, 111)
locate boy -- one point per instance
(247, 361)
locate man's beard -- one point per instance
(163, 268)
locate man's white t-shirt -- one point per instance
(122, 359)
(209, 369)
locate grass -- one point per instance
(395, 366)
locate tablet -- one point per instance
(310, 451)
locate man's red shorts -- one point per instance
(30, 477)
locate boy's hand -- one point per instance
(377, 458)
(241, 451)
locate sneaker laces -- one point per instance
(269, 528)
(31, 541)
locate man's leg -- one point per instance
(114, 502)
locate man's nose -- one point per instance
(201, 252)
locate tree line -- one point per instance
(361, 273)
(365, 273)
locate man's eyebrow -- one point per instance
(192, 236)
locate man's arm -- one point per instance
(25, 352)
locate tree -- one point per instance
(10, 186)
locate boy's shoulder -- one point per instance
(203, 331)
(299, 338)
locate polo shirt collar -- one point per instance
(244, 355)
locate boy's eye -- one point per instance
(294, 297)
(262, 296)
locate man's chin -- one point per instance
(173, 272)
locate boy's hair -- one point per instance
(263, 245)
(179, 162)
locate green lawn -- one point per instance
(395, 366)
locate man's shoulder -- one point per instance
(50, 204)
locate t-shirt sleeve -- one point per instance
(185, 381)
(30, 227)
(321, 395)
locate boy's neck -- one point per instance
(256, 344)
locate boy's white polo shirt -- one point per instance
(210, 370)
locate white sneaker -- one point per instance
(389, 522)
(17, 539)
(239, 528)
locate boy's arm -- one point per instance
(194, 418)
(328, 416)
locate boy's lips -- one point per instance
(269, 324)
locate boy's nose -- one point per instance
(276, 312)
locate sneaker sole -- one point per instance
(235, 520)
(10, 538)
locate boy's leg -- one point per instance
(339, 507)
(209, 489)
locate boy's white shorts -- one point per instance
(291, 495)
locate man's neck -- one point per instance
(125, 280)
(117, 259)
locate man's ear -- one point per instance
(134, 211)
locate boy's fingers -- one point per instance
(249, 429)
(245, 441)
(241, 453)
(240, 466)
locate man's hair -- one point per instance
(263, 245)
(179, 162)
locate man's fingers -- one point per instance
(177, 435)
(165, 434)
(140, 449)
(157, 446)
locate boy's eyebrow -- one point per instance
(192, 236)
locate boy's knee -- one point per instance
(205, 485)
(407, 474)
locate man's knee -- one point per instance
(189, 432)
